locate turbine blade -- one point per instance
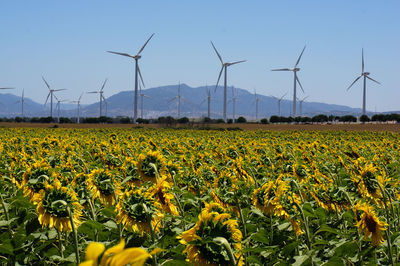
(203, 101)
(92, 92)
(140, 75)
(298, 60)
(373, 80)
(7, 88)
(354, 82)
(298, 81)
(172, 99)
(141, 49)
(281, 69)
(23, 90)
(80, 97)
(47, 84)
(104, 83)
(146, 96)
(123, 54)
(48, 95)
(220, 73)
(283, 96)
(362, 64)
(60, 90)
(55, 97)
(219, 56)
(237, 62)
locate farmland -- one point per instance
(177, 197)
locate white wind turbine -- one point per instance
(366, 76)
(78, 102)
(295, 69)
(179, 97)
(233, 100)
(256, 100)
(137, 72)
(142, 95)
(224, 68)
(101, 97)
(208, 99)
(22, 101)
(58, 106)
(51, 94)
(279, 103)
(301, 104)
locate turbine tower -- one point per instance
(234, 99)
(51, 94)
(58, 107)
(224, 68)
(179, 98)
(22, 101)
(137, 72)
(208, 99)
(366, 76)
(100, 92)
(142, 95)
(279, 103)
(256, 100)
(79, 106)
(301, 104)
(295, 69)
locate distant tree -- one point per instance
(348, 118)
(319, 118)
(229, 121)
(125, 120)
(206, 120)
(297, 119)
(65, 120)
(19, 119)
(219, 121)
(364, 118)
(264, 121)
(241, 119)
(48, 119)
(183, 120)
(274, 119)
(306, 119)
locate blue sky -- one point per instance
(66, 42)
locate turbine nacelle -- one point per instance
(365, 73)
(296, 69)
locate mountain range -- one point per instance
(160, 101)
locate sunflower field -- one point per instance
(197, 197)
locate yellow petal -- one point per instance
(133, 256)
(88, 263)
(94, 250)
(112, 251)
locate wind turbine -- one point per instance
(100, 92)
(142, 95)
(179, 97)
(279, 103)
(137, 71)
(224, 68)
(79, 106)
(51, 92)
(234, 99)
(208, 99)
(22, 101)
(256, 100)
(366, 76)
(295, 69)
(301, 104)
(58, 107)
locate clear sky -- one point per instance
(66, 42)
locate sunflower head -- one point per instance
(150, 164)
(370, 224)
(103, 185)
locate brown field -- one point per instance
(249, 126)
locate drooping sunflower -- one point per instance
(17, 171)
(52, 207)
(130, 172)
(370, 224)
(136, 209)
(35, 178)
(149, 164)
(161, 192)
(201, 248)
(102, 185)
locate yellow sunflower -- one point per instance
(160, 191)
(370, 224)
(52, 207)
(136, 209)
(102, 185)
(35, 178)
(148, 165)
(201, 248)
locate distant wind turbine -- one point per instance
(295, 69)
(142, 95)
(137, 71)
(224, 68)
(22, 101)
(366, 76)
(208, 99)
(233, 100)
(279, 103)
(79, 107)
(256, 100)
(179, 98)
(301, 104)
(58, 107)
(51, 94)
(100, 92)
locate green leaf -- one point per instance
(327, 228)
(174, 263)
(308, 210)
(6, 247)
(254, 260)
(111, 224)
(289, 248)
(6, 223)
(261, 236)
(300, 259)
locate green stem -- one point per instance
(305, 222)
(222, 241)
(71, 218)
(6, 214)
(94, 217)
(60, 245)
(244, 232)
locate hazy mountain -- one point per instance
(160, 101)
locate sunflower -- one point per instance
(35, 177)
(148, 165)
(102, 185)
(17, 171)
(116, 255)
(130, 172)
(52, 207)
(370, 224)
(160, 191)
(136, 209)
(201, 249)
(259, 197)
